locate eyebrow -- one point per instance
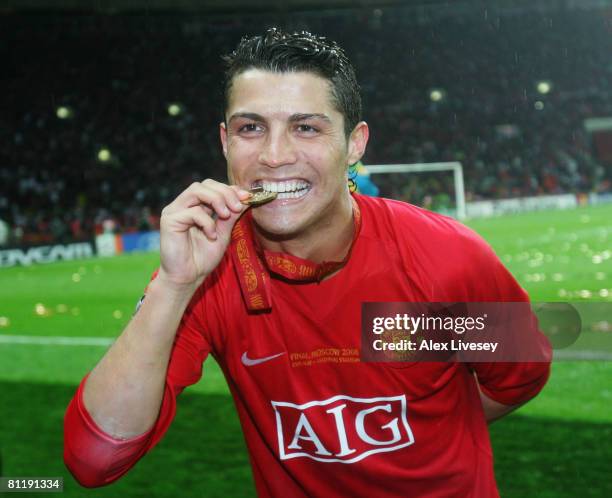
(248, 115)
(293, 118)
(302, 117)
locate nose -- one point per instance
(277, 150)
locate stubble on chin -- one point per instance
(274, 226)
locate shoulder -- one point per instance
(449, 256)
(419, 227)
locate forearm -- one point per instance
(494, 410)
(123, 393)
(504, 387)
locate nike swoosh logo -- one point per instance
(249, 362)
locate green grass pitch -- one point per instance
(559, 445)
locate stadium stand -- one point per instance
(75, 85)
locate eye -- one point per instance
(250, 128)
(306, 129)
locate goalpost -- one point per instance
(455, 167)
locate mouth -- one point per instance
(285, 189)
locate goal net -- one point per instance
(439, 186)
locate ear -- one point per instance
(357, 142)
(223, 135)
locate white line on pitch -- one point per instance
(107, 341)
(56, 341)
(582, 355)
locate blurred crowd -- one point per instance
(105, 118)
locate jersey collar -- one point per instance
(254, 265)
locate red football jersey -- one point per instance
(317, 420)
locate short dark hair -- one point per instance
(281, 52)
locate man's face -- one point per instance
(284, 134)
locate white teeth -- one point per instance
(270, 187)
(289, 186)
(292, 195)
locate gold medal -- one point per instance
(259, 196)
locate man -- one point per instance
(363, 181)
(274, 293)
(4, 232)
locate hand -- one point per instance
(195, 231)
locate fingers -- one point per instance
(208, 206)
(240, 192)
(196, 216)
(221, 198)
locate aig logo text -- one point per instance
(342, 429)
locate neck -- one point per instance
(329, 241)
